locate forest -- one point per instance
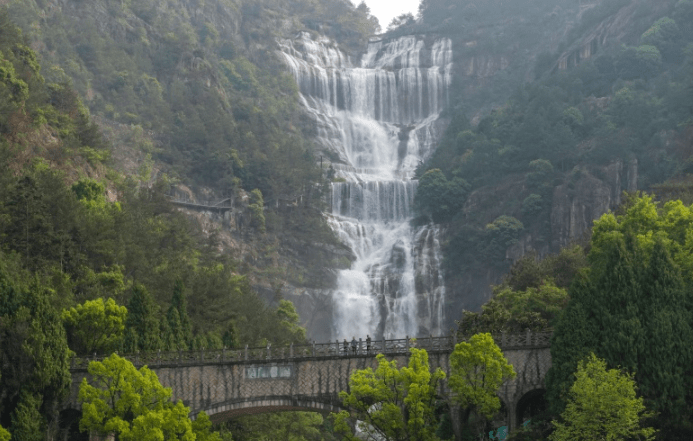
(628, 104)
(95, 259)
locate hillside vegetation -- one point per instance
(575, 137)
(67, 244)
(203, 77)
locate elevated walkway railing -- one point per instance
(221, 204)
(338, 349)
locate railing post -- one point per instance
(360, 347)
(337, 351)
(269, 351)
(407, 343)
(503, 339)
(313, 348)
(180, 356)
(158, 356)
(291, 350)
(246, 352)
(202, 355)
(223, 354)
(430, 342)
(529, 337)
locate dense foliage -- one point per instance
(390, 403)
(602, 405)
(531, 296)
(290, 426)
(222, 111)
(34, 356)
(65, 245)
(632, 307)
(134, 406)
(624, 104)
(478, 369)
(95, 326)
(406, 404)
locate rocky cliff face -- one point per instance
(586, 197)
(582, 196)
(493, 55)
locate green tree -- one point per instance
(178, 320)
(141, 322)
(27, 421)
(4, 435)
(665, 36)
(256, 207)
(289, 426)
(439, 197)
(500, 234)
(202, 427)
(535, 309)
(390, 403)
(132, 404)
(168, 341)
(290, 329)
(34, 358)
(632, 307)
(477, 371)
(602, 405)
(95, 326)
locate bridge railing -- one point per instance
(214, 204)
(320, 350)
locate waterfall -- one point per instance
(379, 119)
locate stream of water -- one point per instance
(380, 118)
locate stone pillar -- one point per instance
(512, 416)
(456, 419)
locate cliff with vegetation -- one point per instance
(602, 109)
(192, 96)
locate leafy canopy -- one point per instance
(4, 435)
(477, 370)
(602, 405)
(95, 326)
(390, 403)
(516, 311)
(132, 403)
(633, 307)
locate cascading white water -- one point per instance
(381, 121)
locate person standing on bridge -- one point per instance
(353, 345)
(368, 344)
(346, 347)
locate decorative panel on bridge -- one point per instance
(227, 383)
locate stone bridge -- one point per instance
(229, 383)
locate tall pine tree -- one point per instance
(664, 374)
(142, 321)
(178, 320)
(34, 358)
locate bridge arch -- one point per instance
(531, 404)
(221, 412)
